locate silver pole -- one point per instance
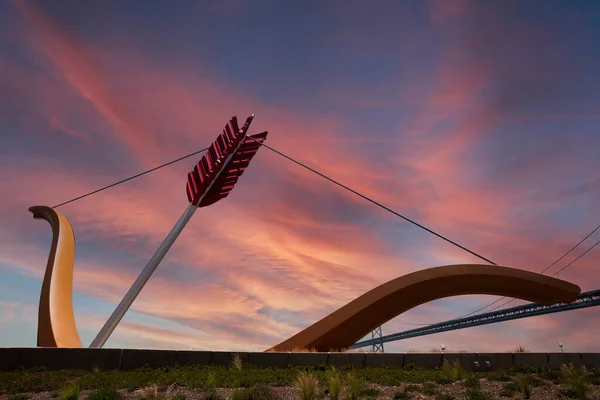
(149, 269)
(141, 280)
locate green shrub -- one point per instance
(211, 381)
(403, 395)
(236, 363)
(452, 372)
(388, 380)
(524, 387)
(70, 392)
(19, 397)
(211, 394)
(472, 381)
(575, 380)
(429, 388)
(150, 393)
(594, 376)
(499, 376)
(371, 391)
(335, 385)
(356, 386)
(238, 394)
(440, 380)
(535, 381)
(509, 389)
(527, 369)
(476, 395)
(105, 394)
(550, 375)
(308, 385)
(260, 392)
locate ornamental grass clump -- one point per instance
(335, 384)
(576, 380)
(236, 363)
(70, 392)
(307, 384)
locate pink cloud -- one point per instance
(442, 11)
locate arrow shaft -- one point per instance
(151, 266)
(142, 279)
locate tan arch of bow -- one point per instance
(344, 327)
(56, 322)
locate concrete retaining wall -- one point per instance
(127, 359)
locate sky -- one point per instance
(478, 119)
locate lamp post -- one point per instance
(443, 348)
(561, 347)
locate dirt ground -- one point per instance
(491, 389)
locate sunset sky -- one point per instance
(478, 119)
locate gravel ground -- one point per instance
(492, 389)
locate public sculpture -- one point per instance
(211, 180)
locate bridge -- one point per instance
(584, 300)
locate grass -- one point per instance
(105, 394)
(524, 387)
(237, 363)
(403, 395)
(476, 395)
(355, 386)
(19, 397)
(500, 376)
(472, 381)
(70, 392)
(576, 380)
(509, 389)
(255, 383)
(335, 385)
(429, 388)
(452, 372)
(308, 385)
(152, 393)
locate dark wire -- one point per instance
(130, 178)
(297, 162)
(581, 255)
(377, 204)
(365, 198)
(547, 268)
(562, 269)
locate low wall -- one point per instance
(127, 359)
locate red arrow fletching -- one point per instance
(205, 172)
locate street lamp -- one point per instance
(443, 348)
(561, 347)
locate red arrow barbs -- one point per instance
(218, 170)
